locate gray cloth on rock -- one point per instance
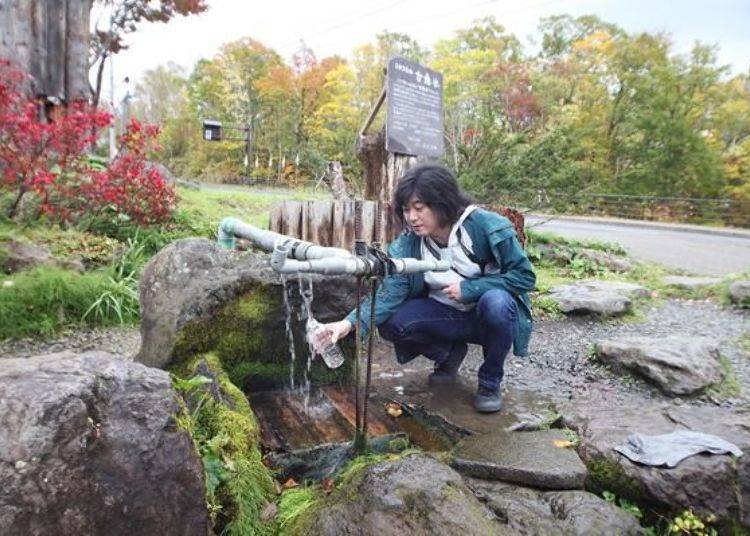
(670, 449)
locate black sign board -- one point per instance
(414, 124)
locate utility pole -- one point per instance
(112, 137)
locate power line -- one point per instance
(346, 22)
(486, 2)
(449, 13)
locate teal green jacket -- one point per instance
(493, 239)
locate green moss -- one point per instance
(237, 333)
(255, 309)
(294, 503)
(605, 474)
(226, 435)
(251, 375)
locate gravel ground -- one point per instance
(559, 364)
(560, 358)
(124, 341)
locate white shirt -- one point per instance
(459, 261)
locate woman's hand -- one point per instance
(453, 291)
(333, 332)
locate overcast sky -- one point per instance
(337, 26)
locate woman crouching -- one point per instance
(482, 299)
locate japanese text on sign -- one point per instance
(414, 124)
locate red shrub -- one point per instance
(129, 185)
(49, 158)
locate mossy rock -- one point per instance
(605, 474)
(250, 340)
(227, 436)
(197, 298)
(411, 494)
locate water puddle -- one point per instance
(292, 431)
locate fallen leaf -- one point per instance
(328, 485)
(393, 409)
(290, 483)
(269, 512)
(563, 443)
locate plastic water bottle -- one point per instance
(330, 352)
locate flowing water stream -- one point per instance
(305, 288)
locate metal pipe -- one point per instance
(231, 228)
(327, 266)
(352, 265)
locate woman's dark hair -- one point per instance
(436, 187)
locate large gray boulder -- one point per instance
(554, 513)
(739, 292)
(89, 445)
(708, 484)
(529, 458)
(678, 365)
(16, 255)
(415, 494)
(197, 297)
(606, 298)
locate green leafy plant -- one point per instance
(625, 504)
(688, 523)
(120, 300)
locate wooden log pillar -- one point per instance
(382, 171)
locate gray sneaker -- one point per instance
(446, 372)
(488, 400)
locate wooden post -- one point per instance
(382, 170)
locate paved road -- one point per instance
(697, 252)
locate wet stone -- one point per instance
(529, 458)
(531, 511)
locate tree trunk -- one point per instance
(49, 39)
(334, 177)
(16, 203)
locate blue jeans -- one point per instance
(423, 326)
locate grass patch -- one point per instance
(46, 300)
(42, 301)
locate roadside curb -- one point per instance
(679, 227)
